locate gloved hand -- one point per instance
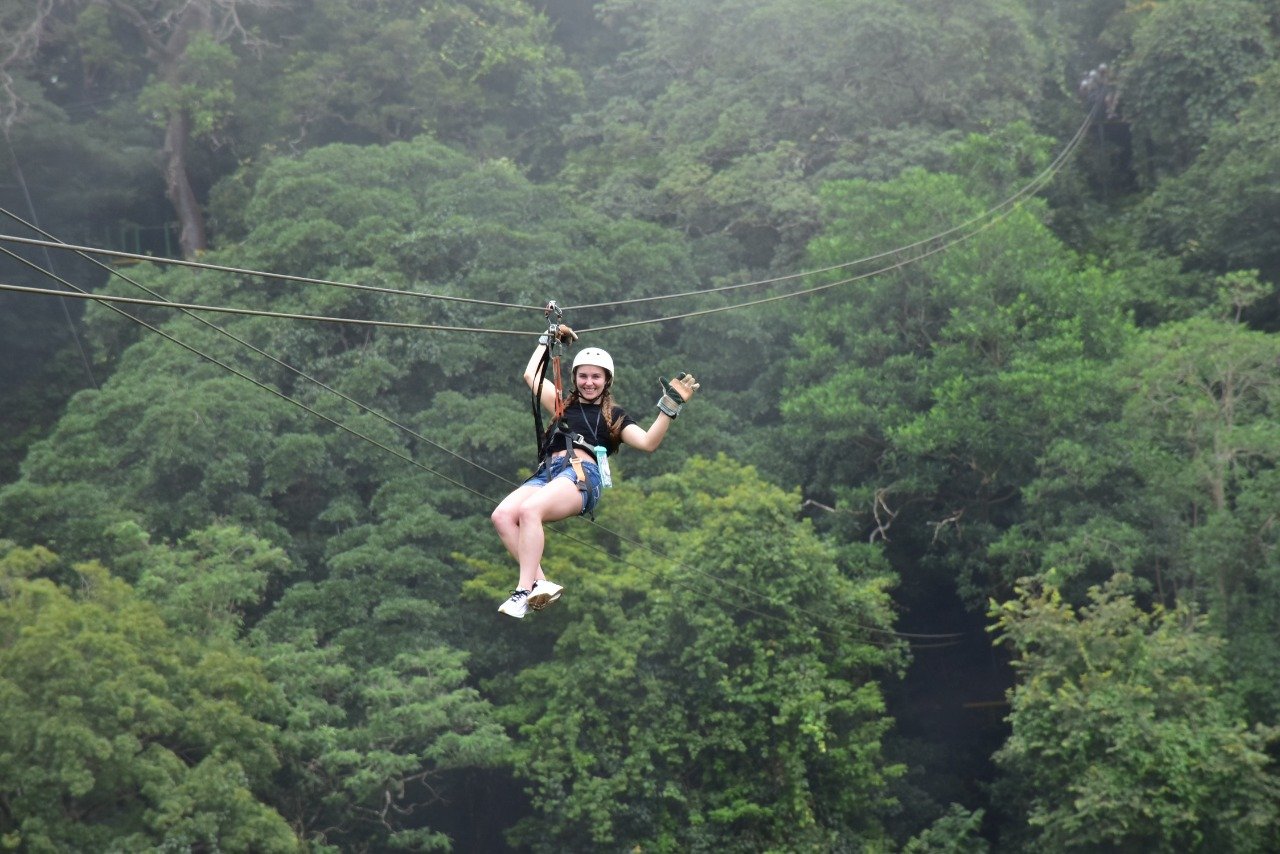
(560, 332)
(676, 393)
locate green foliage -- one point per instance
(122, 733)
(1173, 485)
(480, 72)
(693, 129)
(1121, 734)
(980, 414)
(186, 444)
(923, 403)
(381, 716)
(209, 583)
(1192, 66)
(201, 87)
(956, 832)
(1218, 213)
(727, 703)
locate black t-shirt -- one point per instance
(588, 420)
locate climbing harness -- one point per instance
(550, 363)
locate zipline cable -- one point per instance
(265, 387)
(220, 268)
(412, 461)
(250, 312)
(75, 291)
(189, 308)
(1030, 187)
(280, 362)
(791, 294)
(1027, 189)
(991, 220)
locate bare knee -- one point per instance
(528, 516)
(503, 518)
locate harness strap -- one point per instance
(539, 432)
(550, 363)
(582, 481)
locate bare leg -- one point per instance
(520, 517)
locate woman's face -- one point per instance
(590, 381)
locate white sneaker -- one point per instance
(516, 606)
(544, 593)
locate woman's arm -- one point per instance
(647, 440)
(676, 394)
(548, 392)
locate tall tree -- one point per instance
(121, 732)
(721, 116)
(726, 700)
(1176, 486)
(183, 57)
(923, 401)
(1123, 735)
(1192, 65)
(1218, 215)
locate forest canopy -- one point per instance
(970, 540)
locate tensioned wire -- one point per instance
(991, 217)
(730, 606)
(1013, 201)
(252, 312)
(1035, 184)
(284, 277)
(1026, 190)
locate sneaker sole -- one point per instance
(538, 601)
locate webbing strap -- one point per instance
(549, 363)
(539, 433)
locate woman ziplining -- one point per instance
(573, 455)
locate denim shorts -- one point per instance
(554, 467)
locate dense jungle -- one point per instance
(969, 541)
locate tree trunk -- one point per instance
(191, 238)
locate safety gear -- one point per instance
(594, 356)
(558, 332)
(544, 593)
(676, 393)
(682, 387)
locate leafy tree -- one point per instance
(382, 722)
(1217, 214)
(720, 116)
(1122, 735)
(923, 402)
(120, 732)
(1176, 487)
(956, 832)
(483, 74)
(223, 83)
(188, 443)
(181, 54)
(211, 582)
(728, 702)
(1192, 65)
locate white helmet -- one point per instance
(594, 356)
